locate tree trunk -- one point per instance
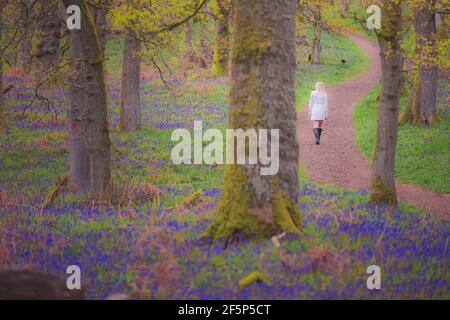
(422, 107)
(25, 60)
(47, 51)
(2, 106)
(317, 48)
(343, 6)
(314, 56)
(188, 55)
(2, 116)
(48, 37)
(25, 45)
(130, 107)
(262, 97)
(89, 158)
(412, 110)
(442, 28)
(100, 22)
(383, 167)
(425, 26)
(221, 47)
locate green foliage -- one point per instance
(148, 17)
(157, 24)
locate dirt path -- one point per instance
(339, 162)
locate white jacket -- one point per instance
(318, 105)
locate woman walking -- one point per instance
(318, 109)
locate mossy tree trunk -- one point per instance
(130, 105)
(383, 167)
(89, 157)
(421, 108)
(222, 43)
(262, 97)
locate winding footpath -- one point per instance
(337, 161)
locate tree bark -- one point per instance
(262, 96)
(101, 23)
(221, 47)
(188, 54)
(47, 50)
(343, 6)
(130, 107)
(422, 106)
(25, 45)
(412, 110)
(2, 112)
(317, 48)
(25, 57)
(2, 106)
(48, 36)
(428, 73)
(89, 158)
(314, 56)
(383, 167)
(442, 27)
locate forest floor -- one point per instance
(338, 161)
(149, 248)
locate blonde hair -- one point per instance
(320, 87)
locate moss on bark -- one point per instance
(220, 59)
(240, 214)
(383, 194)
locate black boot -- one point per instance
(320, 133)
(317, 135)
